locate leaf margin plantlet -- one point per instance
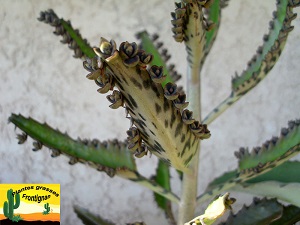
(287, 147)
(264, 59)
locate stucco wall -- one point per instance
(39, 78)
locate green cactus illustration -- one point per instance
(46, 206)
(9, 205)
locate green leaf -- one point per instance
(290, 215)
(268, 54)
(213, 20)
(282, 182)
(70, 36)
(162, 178)
(148, 45)
(89, 218)
(82, 44)
(287, 172)
(272, 153)
(214, 15)
(288, 192)
(263, 61)
(260, 212)
(112, 156)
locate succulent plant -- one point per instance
(166, 121)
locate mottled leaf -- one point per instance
(190, 27)
(263, 61)
(288, 192)
(261, 160)
(163, 125)
(268, 54)
(272, 153)
(260, 212)
(287, 172)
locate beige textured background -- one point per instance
(39, 78)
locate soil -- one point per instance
(21, 222)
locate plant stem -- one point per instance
(222, 107)
(190, 179)
(187, 203)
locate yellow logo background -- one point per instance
(33, 198)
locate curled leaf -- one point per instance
(215, 210)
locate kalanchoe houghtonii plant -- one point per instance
(166, 122)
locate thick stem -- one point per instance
(194, 91)
(190, 179)
(189, 193)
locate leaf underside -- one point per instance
(190, 27)
(162, 125)
(196, 24)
